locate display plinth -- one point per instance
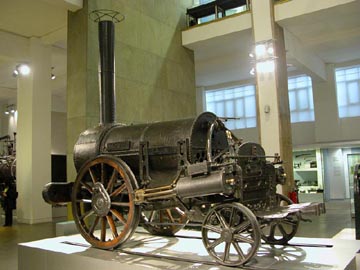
(73, 252)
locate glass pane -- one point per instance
(219, 109)
(233, 102)
(210, 107)
(250, 106)
(229, 108)
(348, 91)
(353, 92)
(292, 100)
(251, 122)
(351, 74)
(240, 110)
(302, 99)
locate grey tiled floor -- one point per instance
(325, 226)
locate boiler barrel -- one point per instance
(159, 140)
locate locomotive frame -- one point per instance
(167, 175)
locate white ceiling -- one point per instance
(22, 19)
(332, 34)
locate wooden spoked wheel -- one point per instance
(279, 231)
(231, 234)
(103, 202)
(164, 222)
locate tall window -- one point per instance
(238, 102)
(301, 99)
(348, 91)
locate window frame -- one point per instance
(347, 110)
(302, 112)
(238, 96)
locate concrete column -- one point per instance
(34, 136)
(272, 91)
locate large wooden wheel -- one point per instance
(231, 234)
(103, 202)
(279, 231)
(165, 222)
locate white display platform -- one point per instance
(73, 252)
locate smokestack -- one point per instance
(107, 72)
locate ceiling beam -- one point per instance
(296, 52)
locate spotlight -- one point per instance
(23, 69)
(15, 72)
(260, 50)
(10, 109)
(53, 77)
(252, 71)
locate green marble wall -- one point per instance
(155, 77)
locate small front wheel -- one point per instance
(231, 234)
(279, 231)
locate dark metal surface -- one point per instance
(107, 72)
(57, 193)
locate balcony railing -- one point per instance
(216, 9)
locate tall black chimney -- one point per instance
(107, 72)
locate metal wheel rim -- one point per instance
(169, 215)
(280, 231)
(116, 220)
(231, 234)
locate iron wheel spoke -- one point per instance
(238, 250)
(92, 175)
(272, 230)
(118, 190)
(169, 215)
(83, 201)
(243, 239)
(215, 243)
(221, 219)
(282, 230)
(231, 219)
(226, 252)
(103, 229)
(111, 182)
(87, 214)
(152, 216)
(93, 226)
(102, 174)
(111, 223)
(119, 216)
(122, 204)
(213, 228)
(87, 187)
(242, 227)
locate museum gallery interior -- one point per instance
(179, 134)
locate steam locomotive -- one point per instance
(165, 175)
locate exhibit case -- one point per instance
(308, 174)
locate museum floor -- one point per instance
(326, 226)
